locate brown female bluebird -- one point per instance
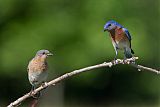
(121, 38)
(37, 68)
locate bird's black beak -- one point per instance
(105, 29)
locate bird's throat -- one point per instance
(41, 58)
(112, 32)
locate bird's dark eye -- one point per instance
(43, 53)
(109, 24)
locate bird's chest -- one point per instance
(37, 66)
(118, 40)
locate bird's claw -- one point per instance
(114, 62)
(34, 94)
(124, 61)
(44, 84)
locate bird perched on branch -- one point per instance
(37, 69)
(121, 38)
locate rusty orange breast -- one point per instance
(120, 35)
(37, 64)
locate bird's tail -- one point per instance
(128, 52)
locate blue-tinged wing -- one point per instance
(127, 33)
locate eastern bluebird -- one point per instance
(121, 38)
(37, 68)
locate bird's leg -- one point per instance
(32, 89)
(33, 94)
(39, 93)
(115, 58)
(124, 59)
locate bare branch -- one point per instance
(140, 67)
(75, 72)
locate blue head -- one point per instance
(111, 25)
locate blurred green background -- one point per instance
(73, 31)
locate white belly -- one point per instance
(122, 44)
(35, 78)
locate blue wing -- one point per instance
(127, 33)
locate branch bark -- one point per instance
(75, 72)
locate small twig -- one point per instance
(75, 72)
(140, 67)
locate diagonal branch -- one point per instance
(75, 72)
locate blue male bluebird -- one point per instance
(121, 38)
(37, 68)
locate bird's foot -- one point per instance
(44, 85)
(114, 62)
(124, 61)
(34, 94)
(133, 61)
